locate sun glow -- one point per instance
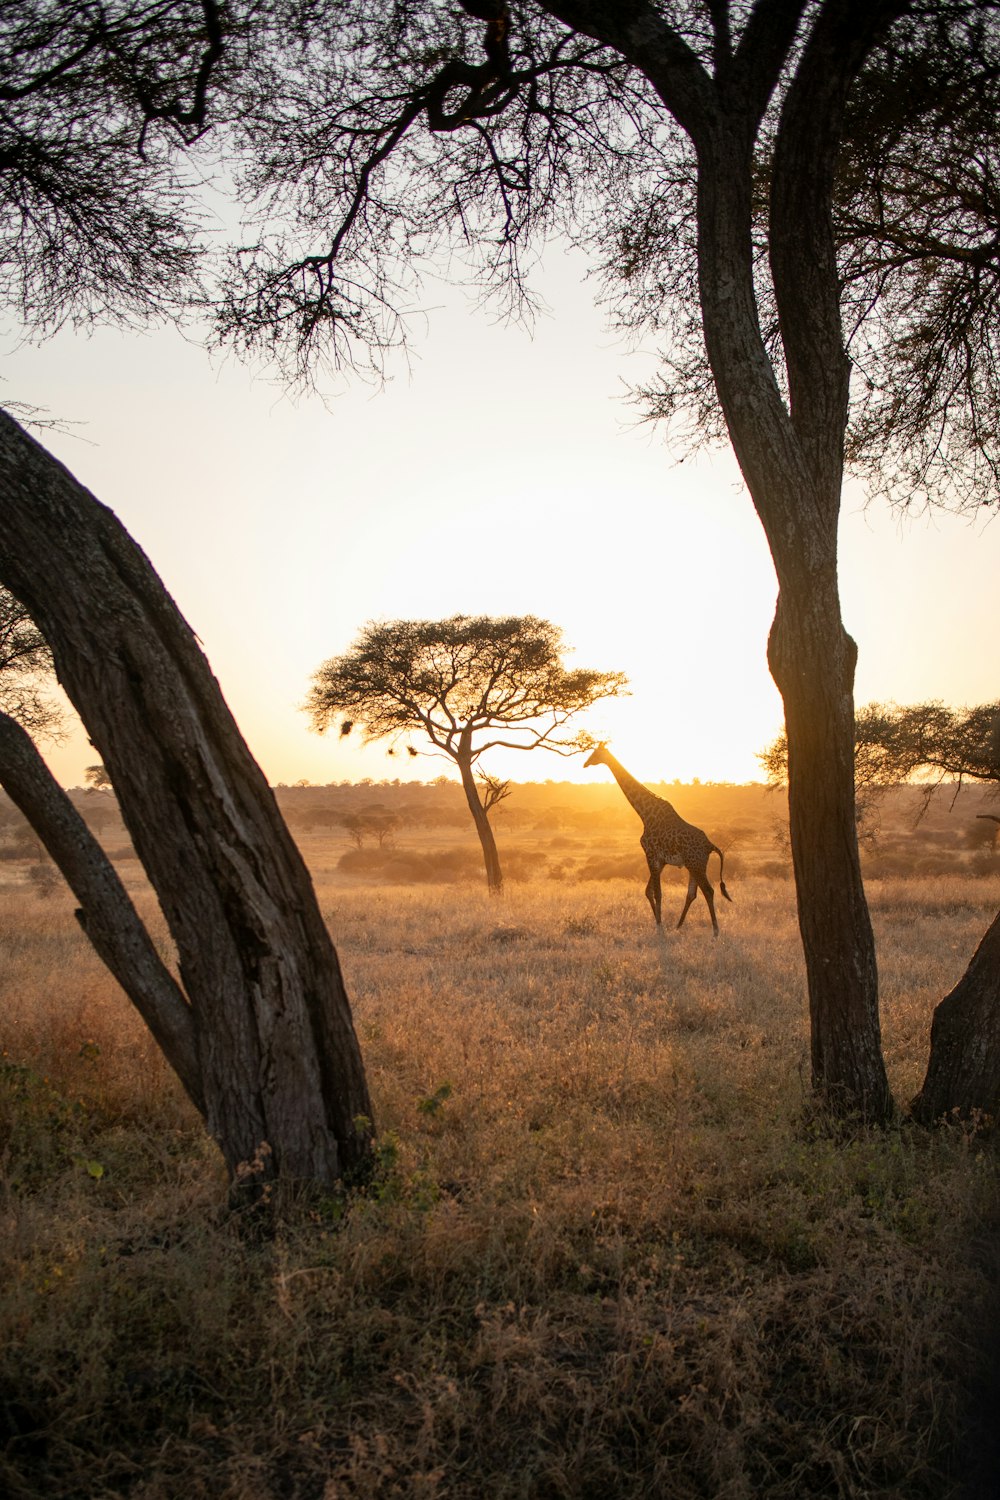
(281, 528)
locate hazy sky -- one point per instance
(502, 473)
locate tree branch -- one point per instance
(107, 915)
(802, 246)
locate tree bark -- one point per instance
(812, 661)
(491, 857)
(812, 657)
(281, 1073)
(106, 914)
(791, 455)
(963, 1072)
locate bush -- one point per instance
(613, 867)
(429, 867)
(411, 867)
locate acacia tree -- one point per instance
(470, 684)
(945, 746)
(95, 102)
(773, 187)
(95, 99)
(751, 172)
(894, 743)
(258, 1027)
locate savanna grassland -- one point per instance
(608, 1249)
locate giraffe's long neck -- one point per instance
(642, 799)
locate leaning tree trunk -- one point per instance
(106, 913)
(280, 1069)
(963, 1073)
(491, 858)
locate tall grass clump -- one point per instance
(607, 1251)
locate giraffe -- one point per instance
(666, 840)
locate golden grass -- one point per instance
(605, 1255)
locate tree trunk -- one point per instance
(790, 452)
(106, 914)
(281, 1073)
(812, 661)
(963, 1073)
(491, 859)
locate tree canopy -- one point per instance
(897, 743)
(363, 143)
(499, 682)
(97, 222)
(469, 684)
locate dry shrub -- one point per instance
(410, 866)
(623, 866)
(885, 865)
(603, 1255)
(434, 866)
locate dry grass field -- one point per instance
(608, 1252)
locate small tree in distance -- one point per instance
(97, 779)
(894, 742)
(25, 659)
(381, 826)
(470, 684)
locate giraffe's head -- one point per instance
(597, 756)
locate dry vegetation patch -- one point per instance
(604, 1253)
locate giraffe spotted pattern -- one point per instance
(666, 840)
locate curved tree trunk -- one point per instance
(491, 858)
(963, 1072)
(281, 1073)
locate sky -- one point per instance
(498, 471)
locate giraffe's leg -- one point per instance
(692, 891)
(708, 891)
(653, 891)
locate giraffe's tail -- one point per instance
(722, 883)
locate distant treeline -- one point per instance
(742, 813)
(545, 805)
